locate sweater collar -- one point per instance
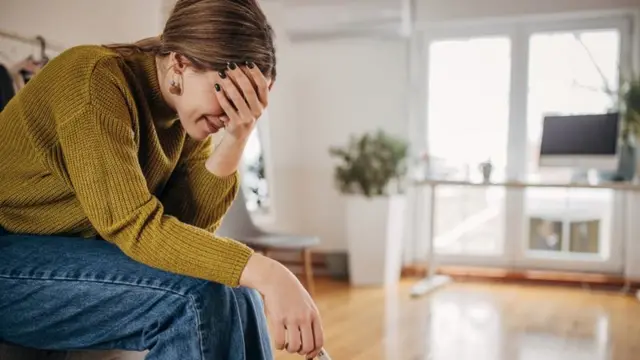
(144, 66)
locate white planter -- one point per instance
(375, 229)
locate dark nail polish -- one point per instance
(232, 66)
(249, 64)
(222, 74)
(217, 86)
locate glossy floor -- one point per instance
(478, 321)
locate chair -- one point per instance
(238, 224)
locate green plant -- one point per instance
(630, 107)
(625, 99)
(369, 163)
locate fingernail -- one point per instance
(222, 74)
(217, 86)
(232, 66)
(249, 64)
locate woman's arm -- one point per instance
(101, 157)
(194, 194)
(227, 156)
(294, 318)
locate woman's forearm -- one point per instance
(226, 157)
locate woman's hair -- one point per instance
(213, 33)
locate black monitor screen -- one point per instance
(580, 135)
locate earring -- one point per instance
(174, 88)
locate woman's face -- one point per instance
(197, 106)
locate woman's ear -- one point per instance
(178, 62)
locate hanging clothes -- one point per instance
(7, 90)
(25, 70)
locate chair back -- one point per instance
(237, 223)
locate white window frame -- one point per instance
(519, 31)
(265, 218)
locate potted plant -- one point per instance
(630, 112)
(371, 174)
(625, 99)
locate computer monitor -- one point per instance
(581, 142)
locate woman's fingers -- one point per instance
(288, 305)
(318, 337)
(260, 82)
(294, 341)
(308, 342)
(225, 120)
(235, 97)
(246, 90)
(228, 108)
(279, 335)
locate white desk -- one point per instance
(432, 281)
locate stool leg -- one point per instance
(308, 271)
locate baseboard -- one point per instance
(521, 275)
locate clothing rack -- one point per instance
(31, 41)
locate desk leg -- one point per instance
(431, 281)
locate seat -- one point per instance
(237, 224)
(14, 352)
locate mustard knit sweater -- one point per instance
(89, 148)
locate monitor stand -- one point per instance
(589, 176)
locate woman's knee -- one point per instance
(249, 301)
(217, 296)
(233, 306)
(248, 295)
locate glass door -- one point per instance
(468, 118)
(488, 89)
(570, 72)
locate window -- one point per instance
(488, 90)
(468, 113)
(469, 99)
(254, 174)
(570, 73)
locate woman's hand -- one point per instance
(243, 95)
(293, 316)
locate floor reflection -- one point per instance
(514, 325)
(478, 321)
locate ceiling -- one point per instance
(322, 16)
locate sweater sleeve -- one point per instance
(196, 196)
(101, 157)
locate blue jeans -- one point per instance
(60, 293)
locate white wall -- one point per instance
(338, 91)
(440, 10)
(342, 87)
(281, 137)
(73, 22)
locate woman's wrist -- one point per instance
(226, 157)
(257, 272)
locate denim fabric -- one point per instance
(60, 293)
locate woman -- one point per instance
(111, 195)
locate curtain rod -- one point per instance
(28, 40)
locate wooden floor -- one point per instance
(479, 321)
